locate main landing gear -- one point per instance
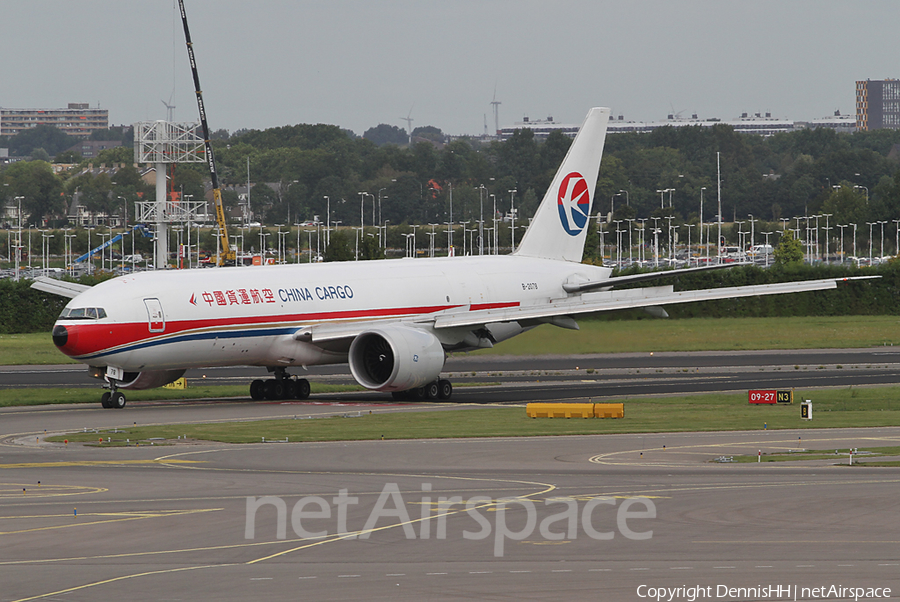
(440, 389)
(280, 387)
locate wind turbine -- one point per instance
(408, 119)
(170, 108)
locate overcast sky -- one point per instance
(358, 63)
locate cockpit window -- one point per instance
(83, 313)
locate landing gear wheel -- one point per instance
(117, 400)
(104, 400)
(400, 395)
(289, 389)
(274, 389)
(301, 389)
(432, 391)
(445, 389)
(257, 390)
(417, 394)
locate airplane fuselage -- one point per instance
(252, 316)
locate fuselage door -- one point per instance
(155, 315)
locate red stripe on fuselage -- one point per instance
(85, 339)
(478, 306)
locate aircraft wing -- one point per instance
(625, 299)
(59, 287)
(583, 287)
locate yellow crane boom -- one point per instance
(227, 256)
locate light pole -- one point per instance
(656, 232)
(512, 213)
(481, 189)
(630, 246)
(882, 222)
(494, 221)
(45, 249)
(897, 242)
(767, 234)
(262, 245)
(870, 224)
(689, 226)
(842, 226)
(18, 247)
(752, 229)
(69, 260)
(702, 188)
(327, 221)
(618, 243)
(309, 234)
(642, 255)
(867, 192)
(662, 198)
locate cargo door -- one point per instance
(155, 315)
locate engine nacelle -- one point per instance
(141, 380)
(395, 358)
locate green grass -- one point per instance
(832, 408)
(618, 336)
(32, 396)
(705, 334)
(822, 455)
(32, 348)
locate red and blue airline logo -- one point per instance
(574, 202)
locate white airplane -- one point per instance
(393, 321)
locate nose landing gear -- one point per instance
(113, 399)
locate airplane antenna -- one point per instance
(408, 119)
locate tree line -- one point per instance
(299, 171)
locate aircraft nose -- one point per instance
(60, 335)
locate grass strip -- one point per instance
(705, 334)
(834, 408)
(861, 455)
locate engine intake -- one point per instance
(395, 358)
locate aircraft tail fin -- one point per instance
(561, 222)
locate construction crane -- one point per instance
(227, 256)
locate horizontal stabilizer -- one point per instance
(59, 287)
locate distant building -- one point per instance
(877, 104)
(760, 124)
(76, 120)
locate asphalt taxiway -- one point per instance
(172, 523)
(606, 376)
(364, 520)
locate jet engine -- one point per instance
(395, 358)
(141, 380)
